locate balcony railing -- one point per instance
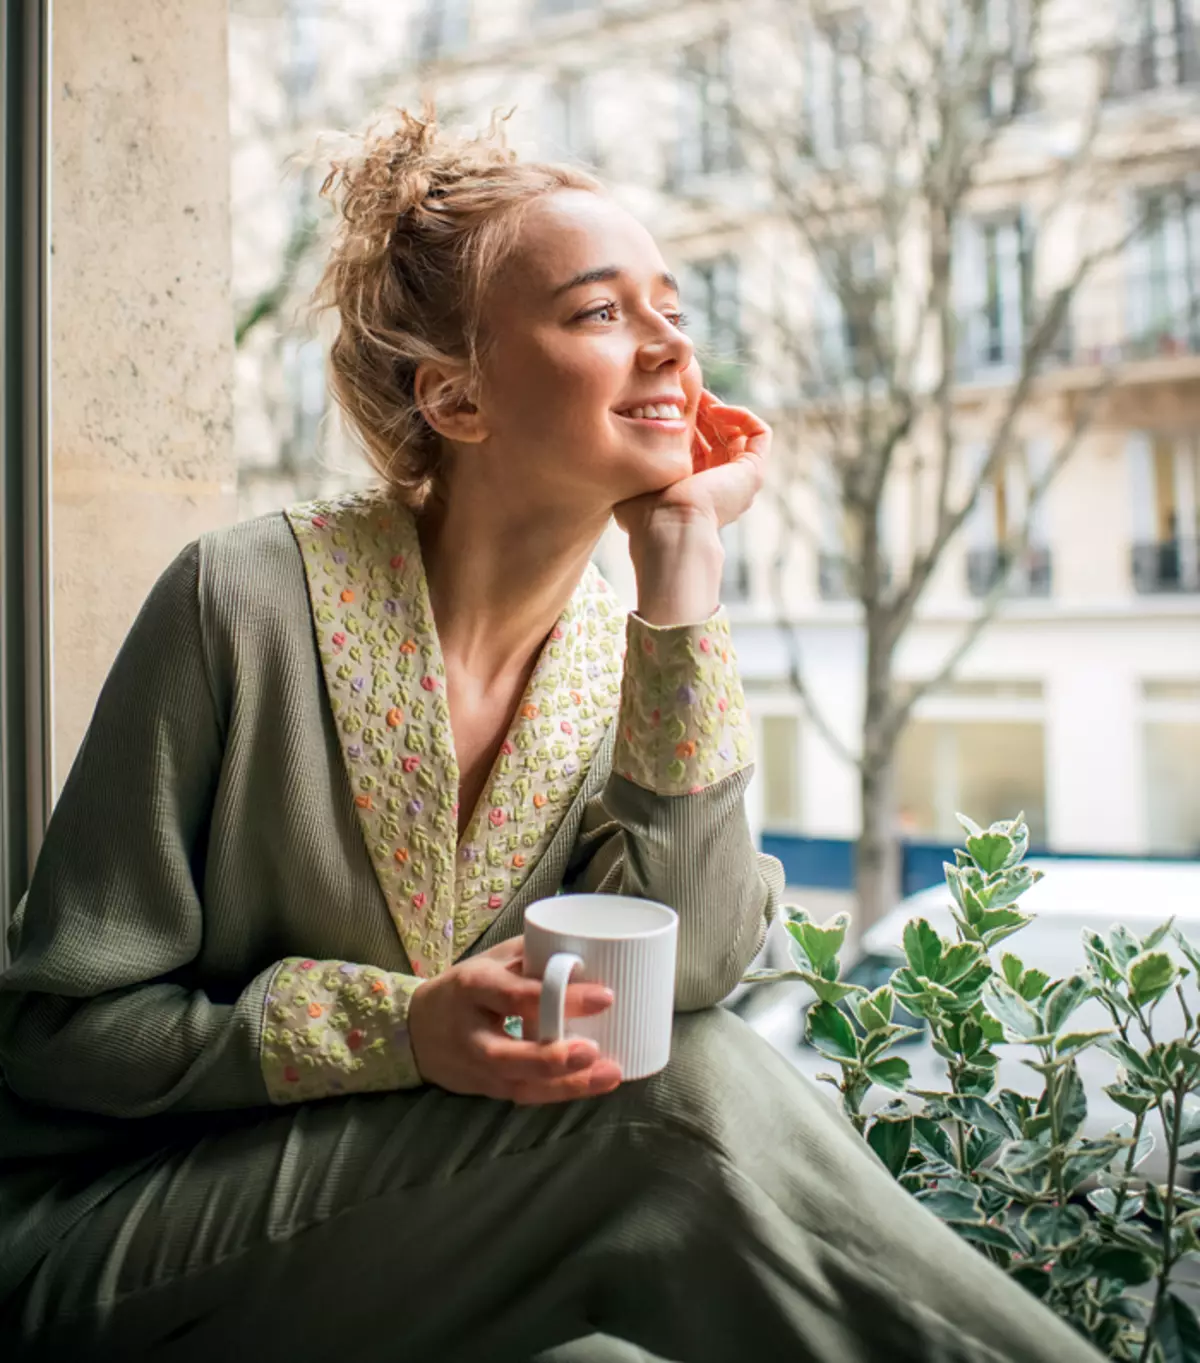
(1165, 566)
(1146, 318)
(1026, 574)
(1160, 61)
(837, 576)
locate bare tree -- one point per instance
(942, 179)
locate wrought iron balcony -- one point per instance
(1163, 566)
(1161, 61)
(1026, 574)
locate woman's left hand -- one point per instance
(729, 453)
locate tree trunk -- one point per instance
(877, 861)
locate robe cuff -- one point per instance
(682, 725)
(331, 1027)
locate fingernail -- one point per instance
(579, 1057)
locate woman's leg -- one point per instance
(721, 1210)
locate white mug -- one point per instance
(611, 939)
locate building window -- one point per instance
(566, 117)
(850, 313)
(712, 299)
(303, 25)
(1166, 513)
(780, 765)
(444, 28)
(1172, 756)
(304, 381)
(1001, 511)
(837, 99)
(1159, 47)
(993, 265)
(707, 143)
(1164, 274)
(993, 768)
(735, 574)
(545, 9)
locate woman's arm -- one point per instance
(670, 824)
(102, 1010)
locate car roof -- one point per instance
(1072, 895)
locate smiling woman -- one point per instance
(259, 1096)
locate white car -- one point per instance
(1074, 895)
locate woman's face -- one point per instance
(582, 327)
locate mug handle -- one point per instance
(552, 1005)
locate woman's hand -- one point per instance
(729, 454)
(674, 534)
(456, 1028)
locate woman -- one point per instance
(259, 1094)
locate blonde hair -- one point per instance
(424, 221)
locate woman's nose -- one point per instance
(668, 346)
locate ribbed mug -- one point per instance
(625, 943)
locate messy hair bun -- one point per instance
(423, 221)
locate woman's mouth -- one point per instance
(662, 416)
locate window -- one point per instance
(548, 8)
(1165, 509)
(566, 117)
(1000, 512)
(837, 100)
(1164, 273)
(993, 262)
(444, 28)
(993, 768)
(848, 301)
(735, 574)
(712, 301)
(304, 378)
(1159, 47)
(780, 761)
(1172, 757)
(1008, 60)
(707, 144)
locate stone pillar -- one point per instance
(141, 318)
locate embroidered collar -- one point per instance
(386, 681)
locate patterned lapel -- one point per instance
(386, 681)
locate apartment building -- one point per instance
(1080, 701)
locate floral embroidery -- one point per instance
(683, 721)
(335, 1028)
(385, 677)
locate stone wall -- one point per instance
(141, 340)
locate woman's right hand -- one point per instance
(456, 1029)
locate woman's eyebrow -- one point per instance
(603, 273)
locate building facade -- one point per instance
(1080, 701)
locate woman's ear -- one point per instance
(443, 398)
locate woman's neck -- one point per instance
(499, 574)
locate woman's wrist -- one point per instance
(678, 566)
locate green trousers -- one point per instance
(720, 1211)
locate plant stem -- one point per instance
(1127, 1172)
(1168, 1261)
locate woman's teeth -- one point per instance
(663, 412)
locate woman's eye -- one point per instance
(595, 312)
(678, 320)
